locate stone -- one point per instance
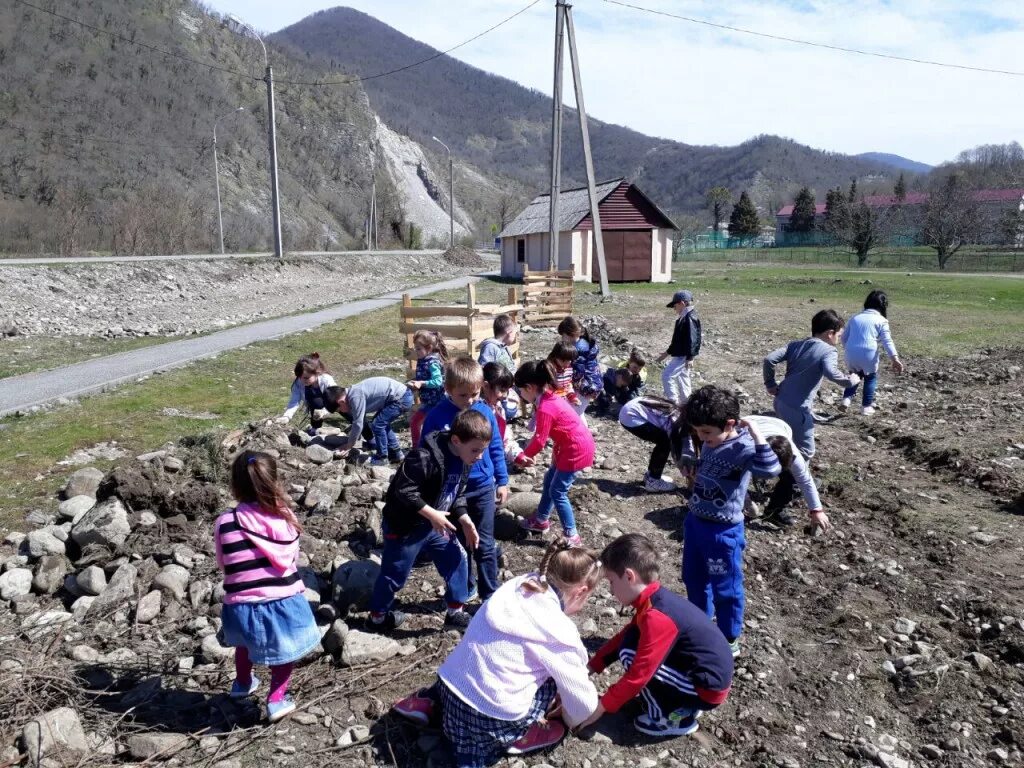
(144, 746)
(352, 584)
(83, 482)
(199, 593)
(363, 495)
(321, 495)
(50, 574)
(42, 623)
(72, 509)
(318, 454)
(353, 735)
(979, 660)
(214, 652)
(172, 579)
(523, 504)
(363, 647)
(118, 592)
(148, 608)
(980, 537)
(334, 640)
(932, 752)
(80, 608)
(506, 526)
(15, 583)
(173, 464)
(184, 556)
(904, 626)
(998, 755)
(382, 474)
(55, 734)
(44, 541)
(106, 524)
(91, 581)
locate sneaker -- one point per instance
(574, 541)
(392, 620)
(396, 457)
(534, 525)
(657, 485)
(867, 410)
(380, 461)
(844, 404)
(734, 647)
(240, 692)
(418, 708)
(458, 620)
(542, 735)
(279, 709)
(780, 517)
(682, 722)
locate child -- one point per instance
(488, 477)
(860, 348)
(573, 451)
(424, 500)
(265, 614)
(431, 356)
(807, 361)
(311, 382)
(651, 419)
(495, 350)
(521, 650)
(623, 381)
(684, 347)
(674, 657)
(732, 451)
(497, 383)
(586, 372)
(562, 358)
(386, 399)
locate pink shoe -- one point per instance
(542, 735)
(418, 709)
(574, 541)
(534, 525)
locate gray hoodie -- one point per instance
(807, 361)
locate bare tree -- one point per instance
(716, 200)
(73, 205)
(859, 226)
(952, 218)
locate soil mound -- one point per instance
(461, 256)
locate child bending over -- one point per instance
(309, 387)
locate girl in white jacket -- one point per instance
(861, 338)
(311, 382)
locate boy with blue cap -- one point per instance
(685, 346)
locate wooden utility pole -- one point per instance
(556, 140)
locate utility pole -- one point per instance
(556, 139)
(216, 176)
(451, 194)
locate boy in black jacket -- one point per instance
(424, 501)
(685, 346)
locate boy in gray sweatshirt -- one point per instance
(386, 399)
(807, 361)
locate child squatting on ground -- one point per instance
(572, 453)
(674, 657)
(425, 501)
(431, 357)
(312, 380)
(520, 651)
(265, 616)
(624, 380)
(684, 347)
(386, 399)
(861, 338)
(713, 540)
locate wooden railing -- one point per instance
(547, 296)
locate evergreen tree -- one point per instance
(900, 190)
(852, 197)
(802, 217)
(744, 221)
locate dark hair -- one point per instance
(331, 397)
(470, 424)
(681, 432)
(878, 301)
(570, 326)
(254, 481)
(434, 341)
(624, 373)
(501, 325)
(310, 365)
(565, 566)
(826, 320)
(632, 550)
(497, 376)
(636, 356)
(535, 372)
(783, 449)
(712, 406)
(564, 352)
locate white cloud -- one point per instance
(692, 83)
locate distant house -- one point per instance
(637, 236)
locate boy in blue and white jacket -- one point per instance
(861, 338)
(713, 539)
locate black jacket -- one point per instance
(686, 336)
(419, 482)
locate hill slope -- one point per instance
(895, 161)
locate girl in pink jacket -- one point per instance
(573, 448)
(265, 615)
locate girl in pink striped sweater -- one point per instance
(265, 615)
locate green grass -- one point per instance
(24, 354)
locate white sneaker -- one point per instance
(657, 485)
(844, 404)
(867, 410)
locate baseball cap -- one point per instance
(680, 296)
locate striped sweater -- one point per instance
(257, 552)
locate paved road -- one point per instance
(20, 392)
(44, 260)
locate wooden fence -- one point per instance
(547, 296)
(464, 326)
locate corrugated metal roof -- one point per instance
(573, 205)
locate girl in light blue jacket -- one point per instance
(861, 338)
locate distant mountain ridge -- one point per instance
(896, 161)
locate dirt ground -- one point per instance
(897, 639)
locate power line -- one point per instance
(813, 44)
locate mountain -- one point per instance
(500, 127)
(895, 161)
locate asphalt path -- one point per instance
(103, 373)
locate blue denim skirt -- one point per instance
(274, 632)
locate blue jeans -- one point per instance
(399, 554)
(480, 504)
(801, 421)
(713, 571)
(555, 494)
(384, 437)
(870, 385)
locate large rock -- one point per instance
(148, 607)
(105, 525)
(334, 640)
(119, 591)
(44, 541)
(213, 651)
(15, 583)
(83, 482)
(43, 623)
(318, 454)
(523, 504)
(57, 735)
(91, 581)
(322, 494)
(174, 580)
(72, 509)
(199, 594)
(50, 574)
(506, 526)
(362, 647)
(143, 746)
(352, 584)
(363, 495)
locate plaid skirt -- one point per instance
(477, 740)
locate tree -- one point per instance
(952, 218)
(715, 200)
(858, 226)
(802, 217)
(899, 191)
(744, 221)
(1011, 226)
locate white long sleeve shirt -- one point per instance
(861, 338)
(298, 392)
(769, 426)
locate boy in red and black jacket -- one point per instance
(676, 660)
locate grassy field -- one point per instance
(935, 316)
(24, 354)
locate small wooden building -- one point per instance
(637, 236)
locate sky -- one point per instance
(700, 85)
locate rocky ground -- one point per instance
(149, 299)
(895, 640)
